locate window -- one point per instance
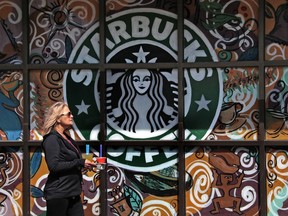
(186, 98)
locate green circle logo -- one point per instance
(142, 104)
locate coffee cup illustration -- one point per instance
(229, 112)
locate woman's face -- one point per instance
(66, 118)
(141, 80)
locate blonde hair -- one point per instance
(52, 115)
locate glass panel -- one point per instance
(276, 90)
(11, 32)
(221, 31)
(241, 93)
(202, 101)
(11, 105)
(82, 93)
(276, 30)
(38, 177)
(143, 180)
(225, 181)
(221, 104)
(142, 104)
(137, 32)
(11, 193)
(276, 181)
(58, 30)
(78, 88)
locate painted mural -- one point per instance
(238, 117)
(276, 90)
(11, 32)
(56, 26)
(11, 106)
(277, 181)
(276, 129)
(11, 189)
(276, 30)
(225, 181)
(275, 98)
(275, 77)
(142, 104)
(38, 176)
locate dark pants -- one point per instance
(65, 207)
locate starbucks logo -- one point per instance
(143, 103)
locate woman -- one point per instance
(64, 160)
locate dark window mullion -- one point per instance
(26, 102)
(102, 70)
(181, 146)
(262, 130)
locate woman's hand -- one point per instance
(89, 164)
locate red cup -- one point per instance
(101, 160)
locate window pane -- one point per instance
(11, 32)
(78, 88)
(143, 180)
(223, 30)
(276, 90)
(202, 100)
(141, 32)
(221, 104)
(276, 181)
(11, 192)
(38, 177)
(224, 181)
(142, 104)
(276, 30)
(241, 94)
(11, 105)
(56, 29)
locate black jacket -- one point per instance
(64, 163)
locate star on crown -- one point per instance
(141, 57)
